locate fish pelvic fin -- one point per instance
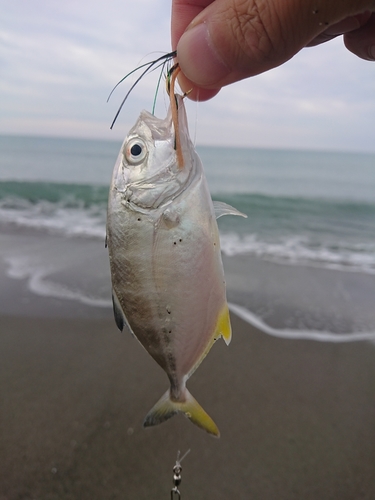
(166, 408)
(119, 315)
(117, 312)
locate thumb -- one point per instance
(234, 39)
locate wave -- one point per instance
(331, 234)
(252, 203)
(320, 336)
(298, 250)
(67, 209)
(290, 213)
(39, 282)
(53, 192)
(334, 234)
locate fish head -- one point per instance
(147, 170)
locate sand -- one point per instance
(297, 418)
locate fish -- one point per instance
(168, 285)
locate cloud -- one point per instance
(60, 60)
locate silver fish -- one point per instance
(167, 274)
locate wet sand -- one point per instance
(297, 417)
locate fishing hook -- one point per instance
(171, 80)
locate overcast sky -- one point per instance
(60, 59)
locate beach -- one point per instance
(294, 393)
(297, 417)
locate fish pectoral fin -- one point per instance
(222, 208)
(166, 408)
(223, 326)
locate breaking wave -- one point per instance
(333, 234)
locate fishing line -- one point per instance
(196, 119)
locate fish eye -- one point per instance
(135, 151)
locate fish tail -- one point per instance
(166, 408)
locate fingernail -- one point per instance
(198, 57)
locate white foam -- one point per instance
(38, 282)
(298, 250)
(316, 335)
(89, 222)
(54, 218)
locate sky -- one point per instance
(60, 60)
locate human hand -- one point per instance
(219, 42)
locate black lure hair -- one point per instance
(150, 66)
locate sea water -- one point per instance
(302, 263)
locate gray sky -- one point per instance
(59, 61)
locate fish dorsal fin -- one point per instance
(222, 208)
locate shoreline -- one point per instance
(19, 300)
(52, 275)
(284, 333)
(297, 417)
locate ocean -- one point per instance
(302, 264)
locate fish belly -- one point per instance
(168, 278)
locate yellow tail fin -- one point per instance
(165, 408)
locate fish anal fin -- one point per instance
(166, 408)
(222, 329)
(222, 208)
(223, 326)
